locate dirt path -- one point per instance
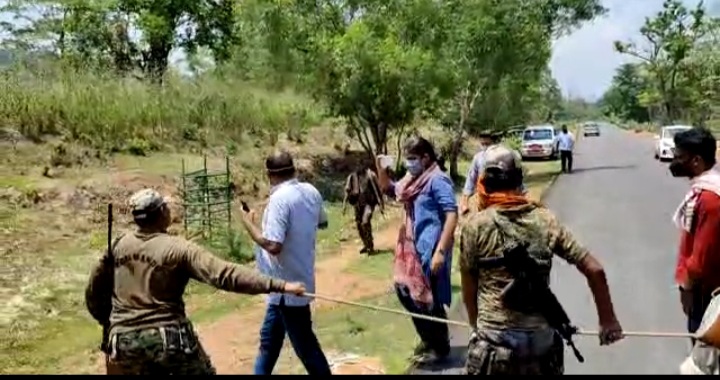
(232, 341)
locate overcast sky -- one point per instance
(585, 61)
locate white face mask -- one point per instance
(414, 167)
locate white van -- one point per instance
(539, 142)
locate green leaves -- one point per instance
(669, 80)
(125, 35)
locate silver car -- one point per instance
(591, 129)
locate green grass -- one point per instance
(377, 266)
(123, 114)
(369, 333)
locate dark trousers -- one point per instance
(363, 223)
(296, 321)
(700, 302)
(435, 335)
(566, 160)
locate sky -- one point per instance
(584, 62)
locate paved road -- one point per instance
(618, 203)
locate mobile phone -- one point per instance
(245, 206)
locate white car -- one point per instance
(539, 142)
(664, 143)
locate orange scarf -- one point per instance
(502, 199)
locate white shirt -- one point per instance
(292, 216)
(565, 141)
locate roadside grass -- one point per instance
(386, 337)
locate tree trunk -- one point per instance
(454, 155)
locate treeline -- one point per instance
(676, 74)
(100, 71)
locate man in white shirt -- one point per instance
(286, 248)
(565, 144)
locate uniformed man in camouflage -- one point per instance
(504, 340)
(362, 192)
(149, 332)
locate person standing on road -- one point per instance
(565, 145)
(362, 192)
(286, 249)
(505, 340)
(698, 218)
(150, 333)
(471, 179)
(423, 253)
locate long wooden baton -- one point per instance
(376, 191)
(105, 343)
(649, 334)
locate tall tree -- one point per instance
(670, 37)
(623, 97)
(100, 33)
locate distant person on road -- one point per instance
(698, 218)
(507, 340)
(142, 297)
(471, 179)
(565, 145)
(363, 193)
(285, 248)
(423, 253)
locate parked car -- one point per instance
(591, 129)
(664, 143)
(539, 142)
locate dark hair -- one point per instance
(564, 127)
(150, 218)
(421, 146)
(496, 179)
(280, 164)
(699, 142)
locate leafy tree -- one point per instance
(623, 97)
(99, 33)
(369, 78)
(671, 36)
(496, 55)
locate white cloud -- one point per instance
(585, 61)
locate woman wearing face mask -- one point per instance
(423, 254)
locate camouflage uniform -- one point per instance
(506, 341)
(362, 190)
(148, 327)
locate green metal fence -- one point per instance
(207, 200)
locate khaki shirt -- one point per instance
(151, 272)
(480, 238)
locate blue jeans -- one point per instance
(297, 323)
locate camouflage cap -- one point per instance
(501, 157)
(145, 201)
